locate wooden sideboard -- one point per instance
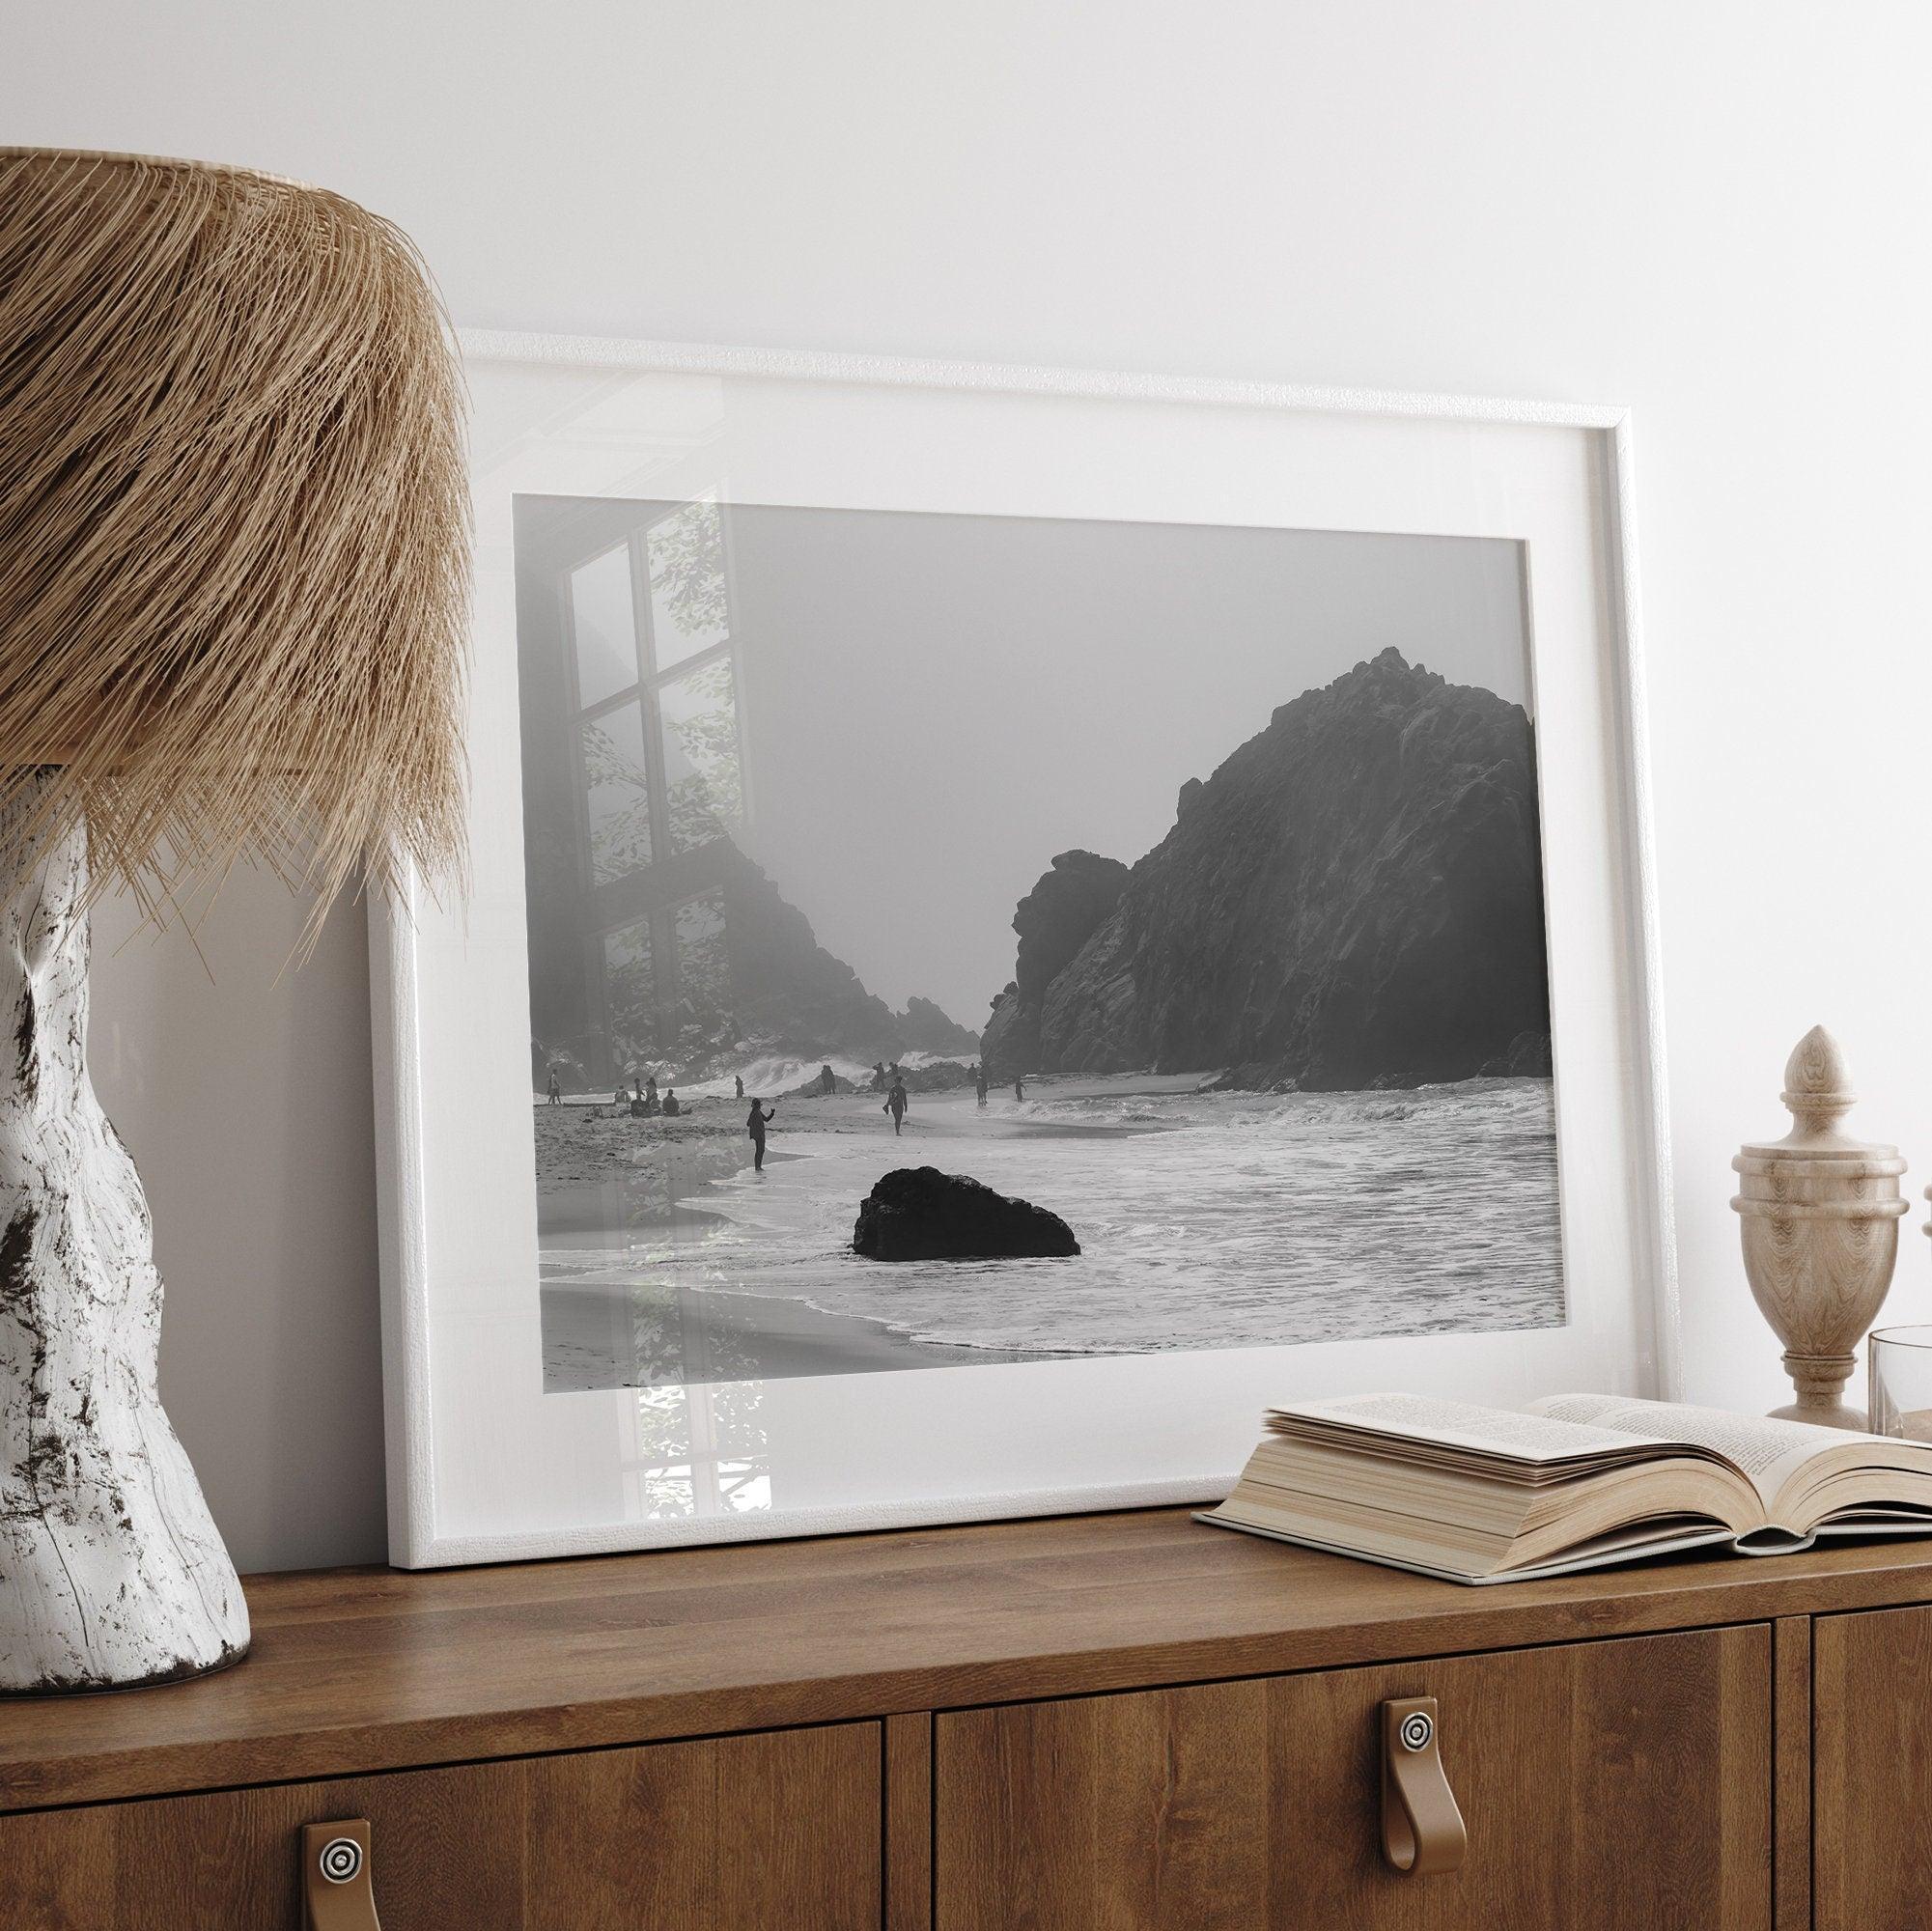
(1112, 1720)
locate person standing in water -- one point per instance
(755, 1124)
(895, 1104)
(979, 1081)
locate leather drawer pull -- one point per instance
(1423, 1829)
(336, 1891)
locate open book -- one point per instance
(1487, 1494)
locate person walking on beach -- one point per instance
(738, 1080)
(556, 1098)
(827, 1081)
(1018, 1087)
(755, 1124)
(979, 1081)
(895, 1104)
(878, 1080)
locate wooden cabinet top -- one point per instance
(357, 1671)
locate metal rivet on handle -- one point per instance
(341, 1859)
(1416, 1730)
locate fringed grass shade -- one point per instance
(234, 559)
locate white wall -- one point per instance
(1713, 211)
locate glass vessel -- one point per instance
(1901, 1382)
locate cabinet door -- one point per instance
(1871, 1773)
(743, 1834)
(1604, 1785)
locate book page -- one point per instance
(1765, 1451)
(1598, 1554)
(1493, 1431)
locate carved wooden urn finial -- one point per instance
(1818, 1090)
(1820, 1213)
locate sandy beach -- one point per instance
(611, 1182)
(602, 1335)
(1207, 1219)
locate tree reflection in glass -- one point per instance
(617, 792)
(700, 1450)
(689, 602)
(702, 776)
(630, 995)
(704, 966)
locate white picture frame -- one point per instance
(483, 1466)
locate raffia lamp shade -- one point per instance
(233, 519)
(233, 607)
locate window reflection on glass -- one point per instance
(603, 626)
(704, 969)
(617, 797)
(700, 1451)
(702, 775)
(689, 607)
(630, 995)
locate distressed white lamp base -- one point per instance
(111, 1570)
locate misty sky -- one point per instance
(935, 705)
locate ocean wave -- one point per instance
(772, 1074)
(1251, 1220)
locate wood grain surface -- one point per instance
(745, 1834)
(1872, 1771)
(1616, 1784)
(360, 1672)
(909, 1822)
(1791, 1770)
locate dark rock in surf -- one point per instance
(814, 1088)
(919, 1213)
(938, 1076)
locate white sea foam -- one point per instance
(772, 1074)
(1205, 1219)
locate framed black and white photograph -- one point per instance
(1018, 917)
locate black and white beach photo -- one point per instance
(1183, 882)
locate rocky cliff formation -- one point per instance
(1354, 899)
(766, 981)
(783, 989)
(1070, 902)
(924, 1028)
